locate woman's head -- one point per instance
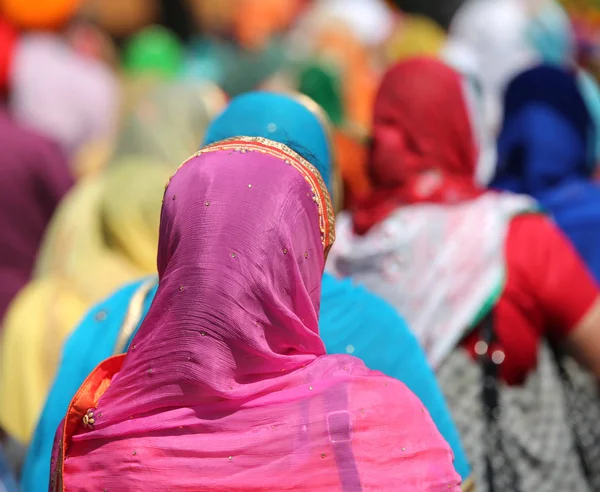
(153, 51)
(424, 147)
(285, 119)
(71, 98)
(421, 127)
(551, 34)
(39, 14)
(245, 229)
(494, 51)
(167, 122)
(548, 135)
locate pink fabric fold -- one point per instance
(226, 385)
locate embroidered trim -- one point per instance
(134, 315)
(284, 153)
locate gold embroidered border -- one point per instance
(468, 485)
(133, 315)
(309, 172)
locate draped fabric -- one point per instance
(346, 307)
(59, 105)
(546, 150)
(35, 176)
(415, 35)
(39, 14)
(552, 35)
(226, 384)
(414, 157)
(443, 292)
(428, 239)
(105, 330)
(492, 51)
(104, 234)
(8, 40)
(277, 117)
(154, 51)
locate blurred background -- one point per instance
(102, 99)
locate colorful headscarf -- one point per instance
(285, 121)
(346, 307)
(71, 98)
(550, 32)
(154, 50)
(230, 346)
(169, 120)
(39, 14)
(546, 150)
(416, 157)
(35, 176)
(345, 310)
(323, 84)
(430, 241)
(552, 35)
(103, 235)
(492, 51)
(415, 35)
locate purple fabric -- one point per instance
(35, 175)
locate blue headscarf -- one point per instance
(551, 34)
(353, 321)
(277, 117)
(545, 150)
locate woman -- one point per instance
(61, 107)
(524, 33)
(469, 270)
(552, 35)
(345, 308)
(35, 176)
(103, 235)
(153, 51)
(546, 150)
(493, 52)
(226, 385)
(39, 14)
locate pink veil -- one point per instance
(226, 385)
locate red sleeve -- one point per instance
(560, 282)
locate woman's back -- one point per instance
(486, 283)
(226, 385)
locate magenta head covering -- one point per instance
(226, 385)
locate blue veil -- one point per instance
(546, 150)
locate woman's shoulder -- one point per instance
(344, 295)
(108, 316)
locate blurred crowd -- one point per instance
(449, 147)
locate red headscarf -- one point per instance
(424, 147)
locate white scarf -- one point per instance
(441, 266)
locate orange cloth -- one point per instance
(255, 21)
(351, 156)
(39, 14)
